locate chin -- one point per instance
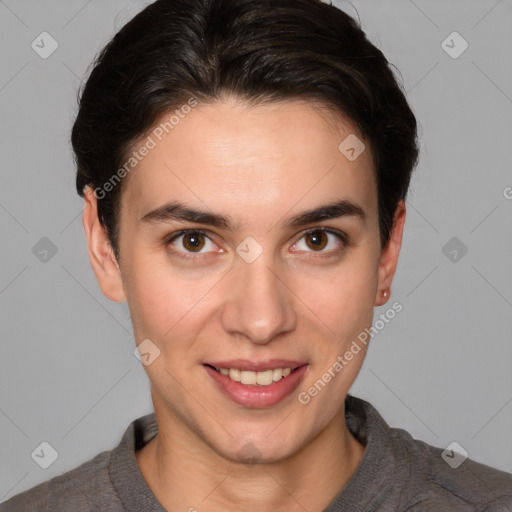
(256, 449)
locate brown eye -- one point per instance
(317, 240)
(193, 241)
(322, 241)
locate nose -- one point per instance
(260, 305)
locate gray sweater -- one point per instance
(396, 473)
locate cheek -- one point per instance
(342, 299)
(167, 303)
(153, 300)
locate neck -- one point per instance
(184, 473)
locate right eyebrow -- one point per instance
(180, 212)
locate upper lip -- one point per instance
(256, 366)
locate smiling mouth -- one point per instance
(261, 378)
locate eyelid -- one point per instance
(177, 234)
(332, 231)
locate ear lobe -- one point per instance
(389, 255)
(101, 254)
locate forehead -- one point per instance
(230, 155)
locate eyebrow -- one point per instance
(176, 211)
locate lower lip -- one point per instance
(258, 397)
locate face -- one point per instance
(280, 266)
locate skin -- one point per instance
(259, 165)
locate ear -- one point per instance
(389, 256)
(101, 254)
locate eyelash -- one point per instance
(342, 236)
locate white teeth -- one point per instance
(248, 377)
(234, 374)
(277, 374)
(264, 378)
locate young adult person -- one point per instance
(244, 166)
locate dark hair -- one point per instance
(257, 50)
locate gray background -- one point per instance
(441, 369)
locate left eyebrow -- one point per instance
(180, 212)
(343, 208)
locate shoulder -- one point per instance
(404, 474)
(102, 483)
(439, 478)
(84, 488)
